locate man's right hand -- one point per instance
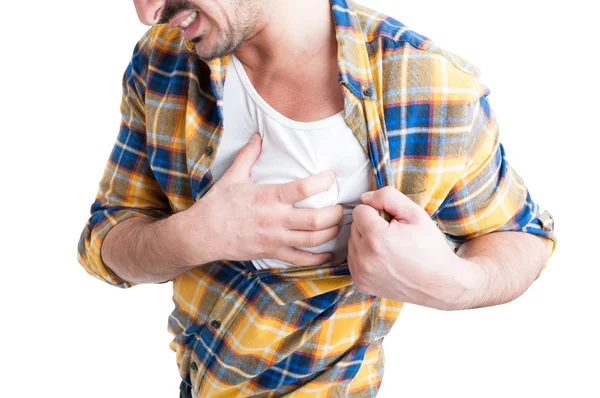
(241, 221)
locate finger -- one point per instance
(354, 232)
(368, 221)
(303, 258)
(311, 238)
(352, 258)
(301, 189)
(314, 219)
(394, 202)
(245, 159)
(352, 248)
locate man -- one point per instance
(292, 251)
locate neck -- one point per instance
(293, 33)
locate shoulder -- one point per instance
(414, 61)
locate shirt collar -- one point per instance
(353, 58)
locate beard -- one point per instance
(229, 40)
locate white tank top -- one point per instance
(293, 150)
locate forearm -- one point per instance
(506, 263)
(141, 250)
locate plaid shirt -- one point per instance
(423, 119)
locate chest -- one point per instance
(303, 95)
(291, 149)
(185, 139)
(304, 104)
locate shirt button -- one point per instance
(209, 150)
(368, 92)
(216, 324)
(194, 366)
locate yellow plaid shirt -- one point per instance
(423, 119)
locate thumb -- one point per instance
(245, 159)
(398, 205)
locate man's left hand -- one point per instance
(407, 259)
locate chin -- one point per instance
(208, 54)
(204, 53)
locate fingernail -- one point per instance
(255, 137)
(366, 196)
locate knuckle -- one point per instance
(265, 239)
(286, 221)
(374, 243)
(262, 197)
(264, 223)
(303, 188)
(313, 222)
(388, 190)
(241, 154)
(260, 238)
(357, 210)
(279, 193)
(309, 240)
(410, 214)
(336, 231)
(259, 250)
(295, 260)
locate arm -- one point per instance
(141, 250)
(483, 207)
(221, 226)
(128, 189)
(502, 235)
(132, 236)
(507, 264)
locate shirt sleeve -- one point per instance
(128, 187)
(489, 196)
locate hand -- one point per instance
(246, 221)
(406, 259)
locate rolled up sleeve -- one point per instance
(128, 187)
(489, 196)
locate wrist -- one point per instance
(190, 232)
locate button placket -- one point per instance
(220, 311)
(224, 313)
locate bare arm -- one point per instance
(507, 264)
(408, 259)
(140, 250)
(235, 220)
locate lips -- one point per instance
(180, 17)
(187, 22)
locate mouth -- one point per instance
(187, 22)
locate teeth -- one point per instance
(186, 22)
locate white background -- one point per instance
(65, 334)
